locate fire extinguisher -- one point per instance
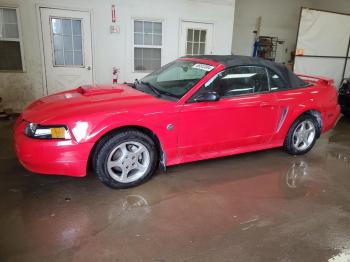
(115, 75)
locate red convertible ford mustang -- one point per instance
(191, 109)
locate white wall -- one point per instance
(280, 18)
(341, 6)
(19, 89)
(218, 12)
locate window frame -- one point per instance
(199, 42)
(191, 99)
(145, 46)
(284, 80)
(269, 78)
(19, 39)
(53, 46)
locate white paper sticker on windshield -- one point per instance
(203, 67)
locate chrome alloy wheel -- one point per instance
(128, 162)
(304, 135)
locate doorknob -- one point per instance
(265, 104)
(88, 67)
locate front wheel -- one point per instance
(302, 135)
(125, 159)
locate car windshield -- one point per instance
(176, 78)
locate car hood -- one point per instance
(85, 100)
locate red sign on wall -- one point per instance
(114, 17)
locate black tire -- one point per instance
(288, 143)
(107, 144)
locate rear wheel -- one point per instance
(125, 159)
(302, 135)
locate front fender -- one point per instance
(93, 130)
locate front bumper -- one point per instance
(56, 157)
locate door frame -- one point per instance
(38, 6)
(182, 20)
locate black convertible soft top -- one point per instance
(292, 80)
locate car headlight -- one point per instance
(47, 132)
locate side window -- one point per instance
(276, 82)
(240, 80)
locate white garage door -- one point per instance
(323, 44)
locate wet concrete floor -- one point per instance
(262, 206)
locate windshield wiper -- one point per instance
(133, 85)
(152, 88)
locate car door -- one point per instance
(245, 115)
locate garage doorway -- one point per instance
(323, 44)
(196, 38)
(67, 51)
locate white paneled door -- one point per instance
(67, 48)
(196, 38)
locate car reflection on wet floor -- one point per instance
(262, 206)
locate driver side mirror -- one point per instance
(209, 96)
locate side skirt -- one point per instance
(235, 151)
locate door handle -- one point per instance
(269, 105)
(88, 67)
(265, 104)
